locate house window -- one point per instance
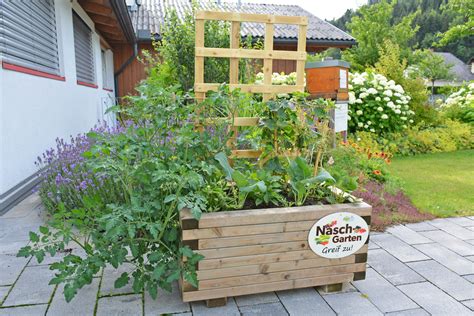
(85, 69)
(29, 39)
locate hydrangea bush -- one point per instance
(278, 78)
(460, 104)
(377, 105)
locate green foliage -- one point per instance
(463, 23)
(449, 136)
(433, 17)
(372, 26)
(174, 61)
(394, 67)
(352, 164)
(302, 181)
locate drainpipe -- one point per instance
(132, 57)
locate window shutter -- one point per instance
(28, 34)
(83, 48)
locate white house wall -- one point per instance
(34, 110)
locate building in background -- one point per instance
(150, 14)
(56, 78)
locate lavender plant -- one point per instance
(65, 177)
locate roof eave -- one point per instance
(318, 42)
(121, 11)
(145, 36)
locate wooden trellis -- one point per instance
(234, 53)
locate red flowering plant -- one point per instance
(351, 165)
(372, 163)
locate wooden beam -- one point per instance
(250, 88)
(103, 20)
(95, 8)
(251, 17)
(235, 53)
(109, 29)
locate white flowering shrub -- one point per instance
(377, 105)
(460, 104)
(278, 78)
(464, 97)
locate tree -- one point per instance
(463, 24)
(433, 18)
(432, 67)
(394, 67)
(372, 26)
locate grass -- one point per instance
(441, 183)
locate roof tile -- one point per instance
(152, 12)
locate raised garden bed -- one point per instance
(263, 250)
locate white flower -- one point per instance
(372, 130)
(360, 124)
(388, 93)
(384, 116)
(386, 99)
(378, 99)
(397, 111)
(358, 101)
(403, 118)
(358, 80)
(391, 104)
(372, 91)
(369, 122)
(350, 87)
(380, 109)
(359, 112)
(411, 121)
(363, 95)
(352, 98)
(366, 126)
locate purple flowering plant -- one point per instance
(65, 177)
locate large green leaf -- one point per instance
(224, 162)
(323, 176)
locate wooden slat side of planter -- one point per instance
(274, 215)
(266, 287)
(234, 262)
(254, 251)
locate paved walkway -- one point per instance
(414, 269)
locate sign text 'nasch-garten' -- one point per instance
(338, 235)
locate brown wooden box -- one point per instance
(323, 79)
(263, 250)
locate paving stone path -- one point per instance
(414, 269)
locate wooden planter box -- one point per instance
(263, 250)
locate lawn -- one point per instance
(441, 183)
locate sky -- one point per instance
(324, 9)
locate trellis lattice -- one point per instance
(234, 53)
